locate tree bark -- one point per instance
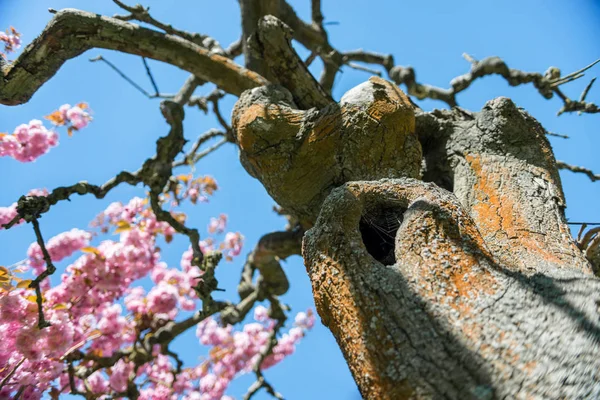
(480, 293)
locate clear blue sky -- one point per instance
(429, 35)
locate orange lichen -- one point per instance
(350, 316)
(497, 212)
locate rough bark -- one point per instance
(446, 320)
(477, 294)
(500, 165)
(300, 156)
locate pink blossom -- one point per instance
(217, 225)
(136, 301)
(59, 247)
(11, 39)
(305, 320)
(261, 313)
(97, 383)
(28, 141)
(233, 244)
(119, 378)
(162, 299)
(78, 118)
(239, 351)
(7, 214)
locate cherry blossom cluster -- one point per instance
(11, 40)
(32, 140)
(28, 141)
(236, 352)
(97, 311)
(195, 189)
(74, 118)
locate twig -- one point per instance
(574, 168)
(209, 150)
(588, 237)
(557, 135)
(573, 75)
(362, 68)
(139, 13)
(190, 156)
(586, 90)
(583, 223)
(156, 91)
(234, 49)
(277, 313)
(224, 124)
(50, 269)
(11, 373)
(128, 79)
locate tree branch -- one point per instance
(142, 14)
(274, 39)
(71, 32)
(574, 168)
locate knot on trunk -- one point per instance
(301, 155)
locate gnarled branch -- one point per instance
(71, 32)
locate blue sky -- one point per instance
(429, 35)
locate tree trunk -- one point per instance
(469, 286)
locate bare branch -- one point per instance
(149, 73)
(560, 135)
(276, 312)
(574, 168)
(50, 269)
(208, 150)
(274, 39)
(586, 90)
(192, 156)
(266, 258)
(187, 90)
(317, 15)
(166, 334)
(128, 79)
(363, 68)
(30, 207)
(71, 32)
(140, 13)
(234, 49)
(251, 12)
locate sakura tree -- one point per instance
(436, 242)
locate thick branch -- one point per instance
(252, 11)
(500, 165)
(301, 155)
(71, 32)
(274, 39)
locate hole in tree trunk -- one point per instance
(378, 227)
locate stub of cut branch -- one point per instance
(299, 156)
(428, 313)
(71, 32)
